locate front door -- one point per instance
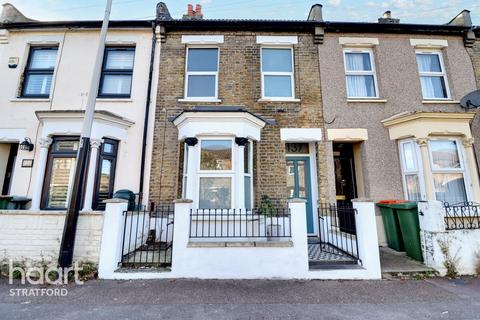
(298, 184)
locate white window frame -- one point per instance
(201, 73)
(274, 73)
(443, 73)
(216, 173)
(373, 72)
(463, 168)
(249, 174)
(418, 171)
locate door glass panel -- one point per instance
(290, 179)
(105, 175)
(61, 181)
(302, 186)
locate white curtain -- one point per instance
(432, 87)
(360, 86)
(358, 61)
(428, 63)
(450, 187)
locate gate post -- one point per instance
(111, 245)
(368, 250)
(181, 230)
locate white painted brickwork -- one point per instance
(36, 235)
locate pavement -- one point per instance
(250, 299)
(393, 261)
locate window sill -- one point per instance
(440, 101)
(374, 100)
(30, 100)
(199, 100)
(278, 100)
(114, 100)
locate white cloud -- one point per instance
(334, 2)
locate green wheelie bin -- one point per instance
(407, 213)
(391, 224)
(4, 200)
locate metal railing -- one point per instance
(148, 237)
(337, 229)
(240, 224)
(462, 216)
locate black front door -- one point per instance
(7, 180)
(346, 185)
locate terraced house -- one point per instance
(258, 148)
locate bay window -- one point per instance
(201, 80)
(277, 73)
(215, 174)
(447, 168)
(360, 74)
(448, 171)
(411, 171)
(60, 172)
(433, 78)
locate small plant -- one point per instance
(450, 263)
(266, 206)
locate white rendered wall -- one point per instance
(463, 245)
(75, 62)
(266, 260)
(36, 235)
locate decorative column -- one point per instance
(191, 168)
(92, 170)
(240, 173)
(427, 171)
(44, 144)
(472, 168)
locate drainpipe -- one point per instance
(147, 111)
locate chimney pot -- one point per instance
(387, 18)
(190, 10)
(198, 9)
(387, 14)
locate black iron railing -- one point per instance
(240, 224)
(148, 237)
(462, 216)
(337, 229)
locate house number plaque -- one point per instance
(297, 148)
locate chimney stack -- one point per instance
(193, 14)
(387, 18)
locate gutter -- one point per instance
(147, 111)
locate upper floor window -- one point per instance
(117, 72)
(202, 73)
(360, 74)
(277, 73)
(432, 75)
(39, 72)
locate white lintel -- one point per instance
(277, 40)
(358, 42)
(202, 39)
(429, 43)
(301, 134)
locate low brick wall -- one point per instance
(36, 235)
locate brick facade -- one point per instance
(239, 84)
(474, 53)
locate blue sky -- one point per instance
(409, 11)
